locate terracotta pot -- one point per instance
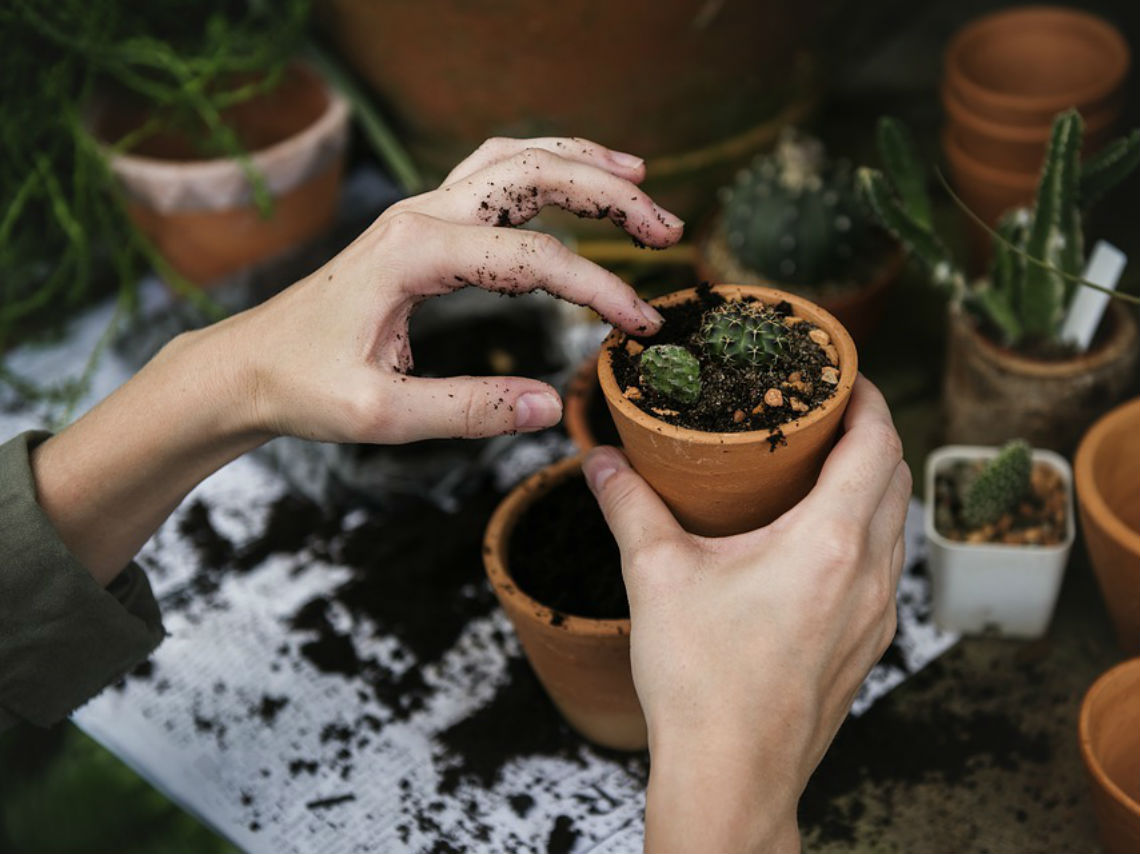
(695, 88)
(1018, 148)
(582, 663)
(1109, 731)
(987, 191)
(580, 394)
(1023, 66)
(200, 212)
(859, 310)
(725, 483)
(1108, 492)
(992, 394)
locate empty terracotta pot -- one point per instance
(987, 190)
(577, 403)
(200, 213)
(1109, 732)
(1108, 493)
(719, 484)
(1049, 404)
(1020, 67)
(582, 663)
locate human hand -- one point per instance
(327, 358)
(747, 651)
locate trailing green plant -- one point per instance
(671, 371)
(999, 486)
(742, 333)
(793, 215)
(1038, 252)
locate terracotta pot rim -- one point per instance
(885, 272)
(1088, 492)
(1121, 671)
(496, 544)
(848, 370)
(205, 169)
(1066, 18)
(579, 395)
(1005, 178)
(1013, 361)
(1096, 121)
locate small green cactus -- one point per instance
(742, 333)
(671, 371)
(999, 486)
(1024, 300)
(793, 216)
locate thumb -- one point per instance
(635, 513)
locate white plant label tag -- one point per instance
(1087, 308)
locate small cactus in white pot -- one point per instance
(999, 526)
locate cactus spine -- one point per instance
(743, 334)
(672, 372)
(1023, 299)
(999, 487)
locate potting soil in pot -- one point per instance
(734, 398)
(563, 555)
(1038, 520)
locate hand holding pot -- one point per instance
(747, 651)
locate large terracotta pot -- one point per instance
(582, 663)
(726, 483)
(1108, 492)
(1109, 732)
(992, 394)
(200, 212)
(986, 190)
(1020, 67)
(859, 309)
(696, 88)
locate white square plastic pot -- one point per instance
(989, 588)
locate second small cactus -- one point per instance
(672, 372)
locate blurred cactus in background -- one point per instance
(1000, 485)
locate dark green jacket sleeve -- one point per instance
(63, 638)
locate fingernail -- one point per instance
(629, 161)
(652, 315)
(600, 465)
(667, 219)
(537, 409)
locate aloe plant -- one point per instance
(1038, 252)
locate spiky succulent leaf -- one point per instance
(672, 372)
(1001, 484)
(1007, 271)
(897, 151)
(919, 240)
(1108, 167)
(1051, 236)
(996, 307)
(743, 334)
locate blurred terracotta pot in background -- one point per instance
(1109, 732)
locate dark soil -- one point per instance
(563, 555)
(732, 397)
(1040, 519)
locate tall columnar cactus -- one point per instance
(672, 372)
(1038, 253)
(793, 216)
(1000, 486)
(742, 333)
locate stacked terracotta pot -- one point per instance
(1006, 76)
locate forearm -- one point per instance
(716, 799)
(110, 479)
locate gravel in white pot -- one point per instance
(1009, 590)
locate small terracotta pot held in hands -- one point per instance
(1109, 730)
(582, 663)
(719, 484)
(1108, 492)
(1023, 66)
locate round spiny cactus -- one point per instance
(793, 217)
(743, 334)
(1000, 486)
(672, 372)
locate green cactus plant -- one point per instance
(1000, 485)
(672, 372)
(793, 216)
(742, 333)
(1038, 252)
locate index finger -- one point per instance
(499, 148)
(858, 472)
